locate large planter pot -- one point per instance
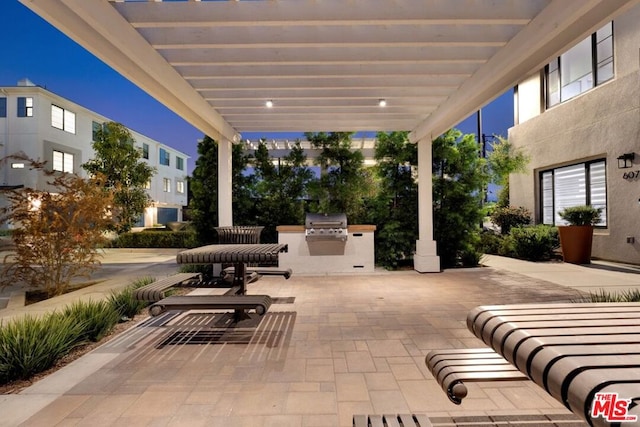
(575, 242)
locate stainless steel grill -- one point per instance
(325, 227)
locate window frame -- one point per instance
(589, 184)
(67, 159)
(67, 119)
(596, 64)
(164, 157)
(25, 106)
(166, 185)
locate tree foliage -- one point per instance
(203, 186)
(395, 206)
(281, 189)
(124, 171)
(57, 232)
(503, 160)
(344, 182)
(459, 177)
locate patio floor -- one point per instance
(330, 347)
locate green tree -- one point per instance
(344, 182)
(280, 189)
(57, 232)
(203, 204)
(458, 180)
(125, 173)
(395, 206)
(503, 160)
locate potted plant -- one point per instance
(576, 238)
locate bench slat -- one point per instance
(155, 291)
(453, 367)
(260, 303)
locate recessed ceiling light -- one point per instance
(382, 102)
(269, 103)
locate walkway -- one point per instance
(331, 347)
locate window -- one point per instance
(180, 187)
(164, 157)
(25, 107)
(145, 151)
(580, 184)
(63, 119)
(17, 165)
(179, 163)
(96, 128)
(62, 162)
(3, 107)
(166, 185)
(147, 185)
(587, 64)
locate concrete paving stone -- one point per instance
(353, 346)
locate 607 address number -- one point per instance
(631, 175)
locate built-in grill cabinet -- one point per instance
(325, 227)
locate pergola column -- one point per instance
(426, 259)
(225, 188)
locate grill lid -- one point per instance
(328, 227)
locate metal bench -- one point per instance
(156, 291)
(255, 273)
(259, 303)
(453, 367)
(240, 234)
(400, 420)
(587, 356)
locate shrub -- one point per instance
(29, 345)
(155, 239)
(490, 242)
(508, 217)
(581, 215)
(98, 318)
(395, 243)
(630, 295)
(532, 243)
(124, 302)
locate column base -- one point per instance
(426, 259)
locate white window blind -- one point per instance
(598, 189)
(569, 189)
(57, 117)
(547, 198)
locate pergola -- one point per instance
(325, 65)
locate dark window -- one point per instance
(3, 107)
(25, 107)
(179, 163)
(166, 215)
(145, 151)
(164, 157)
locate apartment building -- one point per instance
(46, 126)
(578, 117)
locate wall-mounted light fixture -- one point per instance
(269, 104)
(626, 160)
(382, 102)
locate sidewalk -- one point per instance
(594, 277)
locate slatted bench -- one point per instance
(259, 303)
(240, 234)
(255, 273)
(453, 367)
(400, 420)
(155, 291)
(587, 356)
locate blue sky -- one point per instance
(39, 52)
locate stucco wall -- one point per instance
(601, 123)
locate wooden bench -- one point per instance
(259, 303)
(254, 274)
(453, 367)
(156, 291)
(239, 234)
(387, 420)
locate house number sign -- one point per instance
(630, 176)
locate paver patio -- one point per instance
(329, 348)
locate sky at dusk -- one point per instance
(38, 51)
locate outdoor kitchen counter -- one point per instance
(355, 255)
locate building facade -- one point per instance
(44, 126)
(578, 118)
